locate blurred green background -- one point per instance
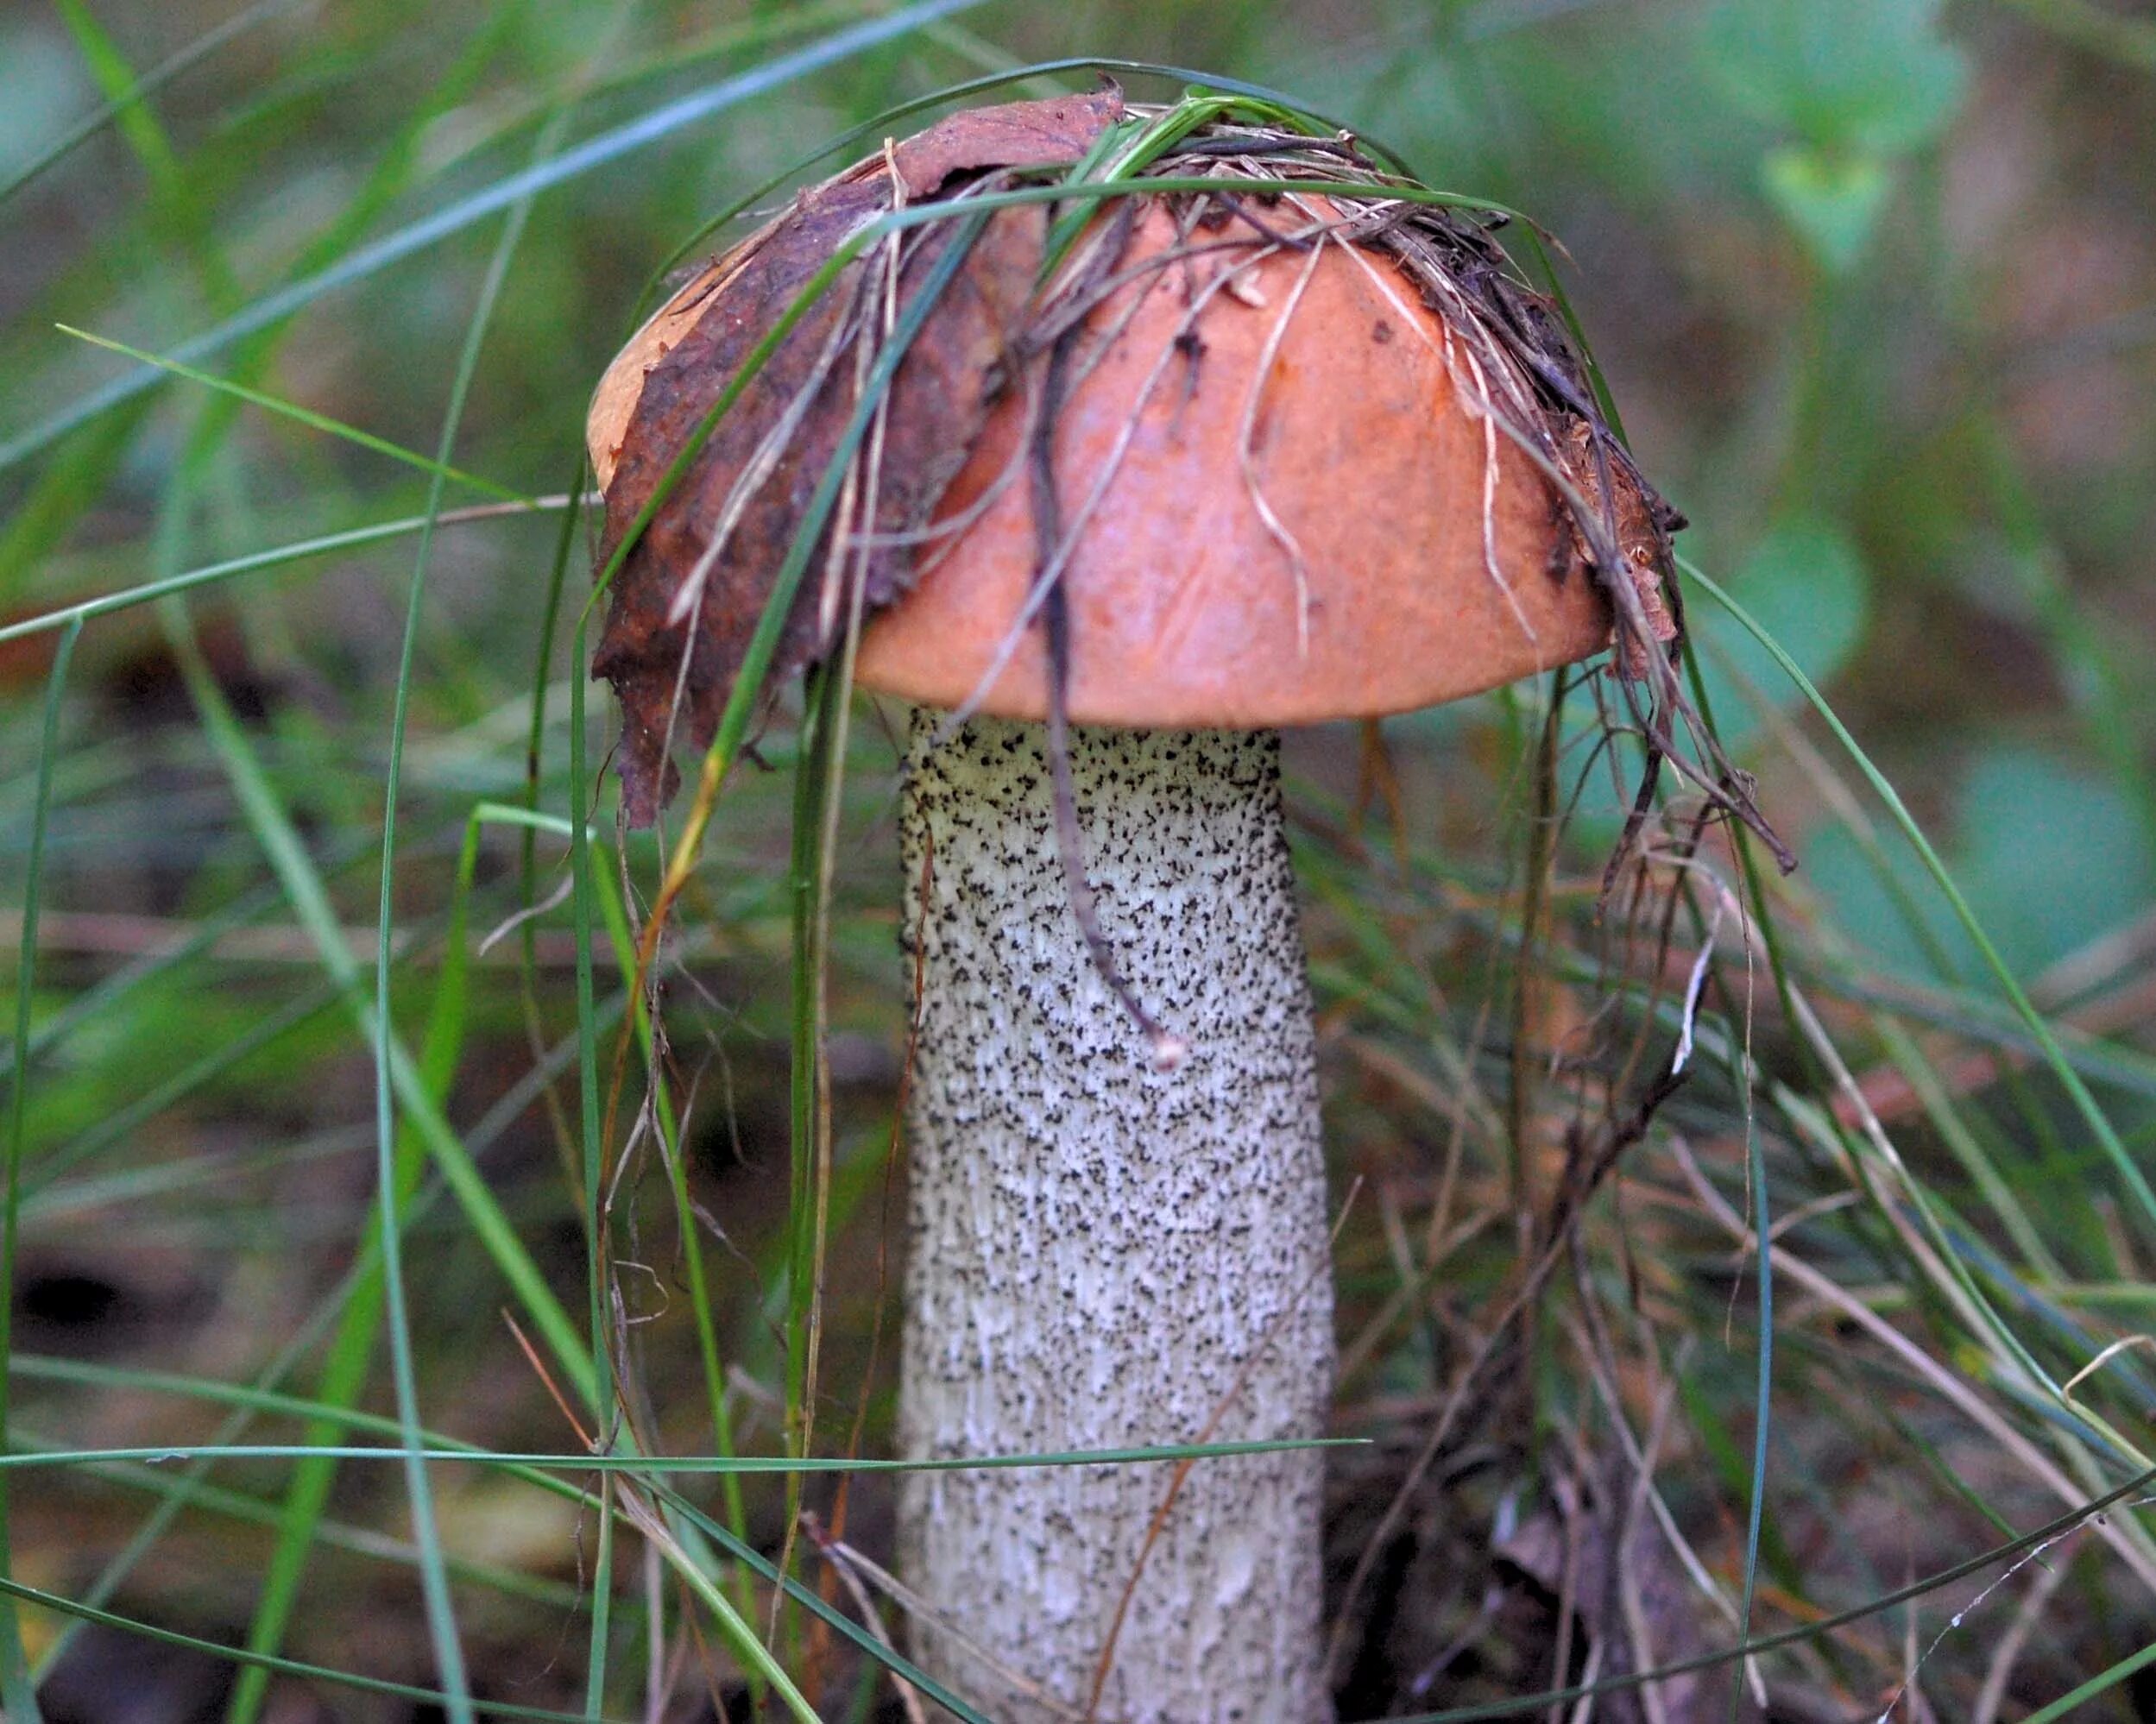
(1874, 284)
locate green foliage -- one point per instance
(1846, 77)
(1853, 84)
(2046, 851)
(1806, 584)
(1881, 346)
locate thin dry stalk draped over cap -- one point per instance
(784, 438)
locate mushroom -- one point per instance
(1283, 489)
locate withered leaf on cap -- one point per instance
(937, 402)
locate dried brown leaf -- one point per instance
(673, 674)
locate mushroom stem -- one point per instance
(1106, 1254)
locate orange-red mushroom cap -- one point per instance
(1285, 494)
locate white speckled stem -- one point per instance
(1104, 1253)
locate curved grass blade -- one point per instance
(433, 1573)
(305, 416)
(371, 260)
(17, 1696)
(1527, 1705)
(2033, 1021)
(211, 573)
(185, 60)
(292, 1667)
(262, 1397)
(274, 831)
(2102, 1682)
(878, 126)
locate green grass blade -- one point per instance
(371, 260)
(255, 561)
(307, 417)
(2037, 1026)
(593, 1157)
(2102, 1682)
(442, 1625)
(275, 832)
(185, 60)
(714, 1465)
(290, 1667)
(175, 205)
(17, 1696)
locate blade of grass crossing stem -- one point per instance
(2039, 1027)
(371, 260)
(17, 1696)
(582, 1461)
(433, 1571)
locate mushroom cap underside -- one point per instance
(1284, 498)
